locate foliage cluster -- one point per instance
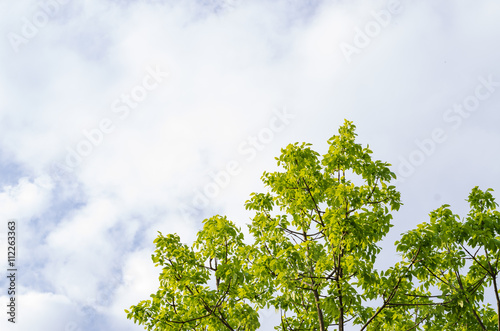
(316, 235)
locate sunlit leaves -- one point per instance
(186, 300)
(315, 235)
(459, 259)
(320, 239)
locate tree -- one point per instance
(459, 259)
(315, 240)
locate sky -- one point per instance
(119, 119)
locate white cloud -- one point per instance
(90, 231)
(27, 199)
(43, 311)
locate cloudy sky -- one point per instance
(119, 119)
